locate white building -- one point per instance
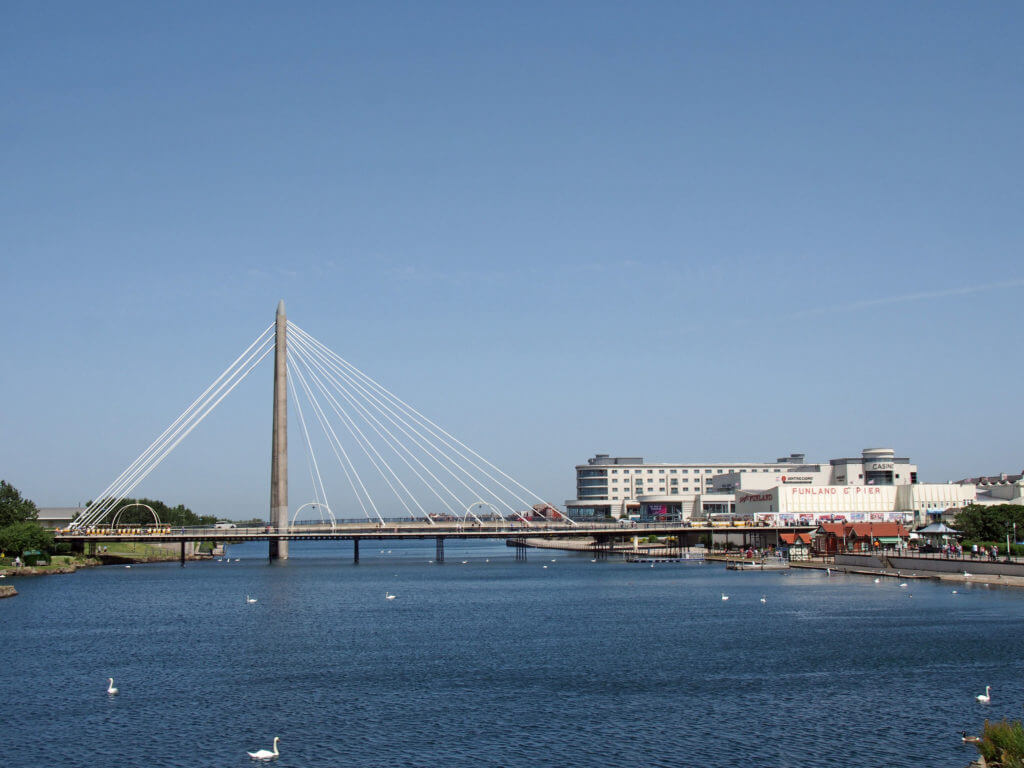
(608, 486)
(806, 505)
(878, 485)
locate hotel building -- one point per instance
(877, 485)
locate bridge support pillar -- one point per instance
(439, 558)
(279, 440)
(520, 551)
(182, 553)
(355, 551)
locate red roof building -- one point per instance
(858, 537)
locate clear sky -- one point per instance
(683, 231)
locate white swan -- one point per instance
(725, 596)
(388, 596)
(265, 754)
(764, 599)
(903, 585)
(250, 599)
(984, 698)
(877, 580)
(110, 686)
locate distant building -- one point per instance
(877, 486)
(1000, 489)
(612, 487)
(57, 517)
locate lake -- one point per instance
(497, 662)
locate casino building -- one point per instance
(876, 486)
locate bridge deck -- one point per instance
(376, 531)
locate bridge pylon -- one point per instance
(279, 439)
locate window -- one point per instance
(672, 471)
(685, 471)
(615, 471)
(650, 471)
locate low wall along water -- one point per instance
(939, 565)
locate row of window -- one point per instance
(594, 473)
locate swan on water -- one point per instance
(388, 596)
(954, 592)
(764, 599)
(110, 686)
(725, 596)
(543, 566)
(984, 698)
(903, 584)
(265, 754)
(877, 580)
(250, 599)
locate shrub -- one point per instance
(1002, 744)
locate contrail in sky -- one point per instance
(908, 297)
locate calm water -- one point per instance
(498, 663)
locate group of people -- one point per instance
(983, 553)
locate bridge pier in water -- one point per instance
(439, 557)
(355, 551)
(520, 550)
(182, 553)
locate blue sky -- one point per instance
(677, 230)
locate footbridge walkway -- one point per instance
(600, 535)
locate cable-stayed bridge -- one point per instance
(404, 476)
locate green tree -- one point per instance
(13, 507)
(16, 538)
(989, 523)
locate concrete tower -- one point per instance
(279, 439)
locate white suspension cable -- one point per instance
(314, 468)
(335, 443)
(365, 444)
(171, 436)
(438, 431)
(123, 487)
(111, 495)
(391, 440)
(386, 410)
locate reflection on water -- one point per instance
(499, 663)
